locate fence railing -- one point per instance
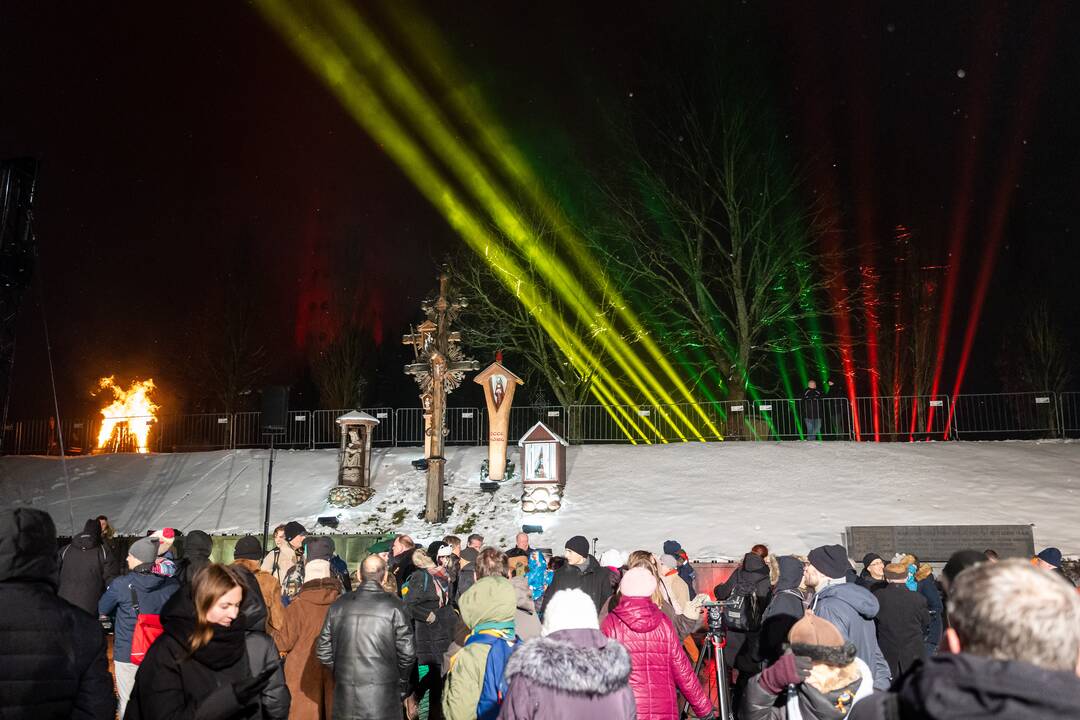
(866, 419)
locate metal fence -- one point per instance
(867, 419)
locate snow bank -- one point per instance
(718, 499)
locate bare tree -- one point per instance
(230, 362)
(1040, 360)
(338, 370)
(712, 230)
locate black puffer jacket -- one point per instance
(197, 549)
(785, 609)
(53, 662)
(86, 568)
(174, 683)
(752, 576)
(425, 593)
(589, 577)
(957, 687)
(901, 623)
(367, 641)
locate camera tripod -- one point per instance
(713, 648)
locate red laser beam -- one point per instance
(971, 141)
(1030, 85)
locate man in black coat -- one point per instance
(1010, 652)
(581, 571)
(367, 642)
(197, 548)
(750, 579)
(786, 608)
(53, 663)
(86, 568)
(901, 622)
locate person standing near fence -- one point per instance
(812, 409)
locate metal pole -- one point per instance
(269, 489)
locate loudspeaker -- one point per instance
(275, 406)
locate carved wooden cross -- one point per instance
(439, 369)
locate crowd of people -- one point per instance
(466, 630)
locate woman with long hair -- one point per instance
(204, 664)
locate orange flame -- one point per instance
(132, 408)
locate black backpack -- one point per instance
(743, 608)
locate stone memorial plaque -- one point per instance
(936, 543)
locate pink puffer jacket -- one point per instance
(658, 662)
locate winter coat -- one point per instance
(310, 684)
(152, 592)
(402, 568)
(367, 643)
(173, 682)
(786, 607)
(589, 577)
(569, 674)
(677, 591)
(686, 572)
(852, 610)
(538, 574)
(53, 663)
(490, 600)
(426, 593)
(805, 701)
(197, 549)
(278, 562)
(956, 687)
(928, 588)
(811, 404)
(742, 648)
(659, 664)
(526, 622)
(86, 568)
(270, 589)
(867, 581)
(466, 577)
(902, 621)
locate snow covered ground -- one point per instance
(718, 499)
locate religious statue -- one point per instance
(439, 369)
(499, 385)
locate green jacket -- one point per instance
(490, 599)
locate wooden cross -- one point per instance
(439, 369)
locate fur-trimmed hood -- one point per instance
(582, 661)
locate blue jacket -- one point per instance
(928, 589)
(152, 591)
(852, 610)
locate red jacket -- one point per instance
(658, 662)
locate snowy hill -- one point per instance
(718, 498)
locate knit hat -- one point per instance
(292, 529)
(319, 549)
(383, 546)
(445, 551)
(869, 558)
(668, 561)
(578, 544)
(469, 554)
(166, 537)
(637, 582)
(818, 639)
(959, 561)
(434, 547)
(830, 560)
(896, 571)
(145, 550)
(570, 610)
(672, 547)
(248, 548)
(316, 570)
(612, 558)
(1051, 556)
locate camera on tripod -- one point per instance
(714, 614)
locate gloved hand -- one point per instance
(693, 608)
(788, 670)
(248, 690)
(430, 618)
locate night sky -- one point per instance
(185, 149)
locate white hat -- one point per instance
(316, 570)
(669, 561)
(570, 610)
(445, 551)
(612, 558)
